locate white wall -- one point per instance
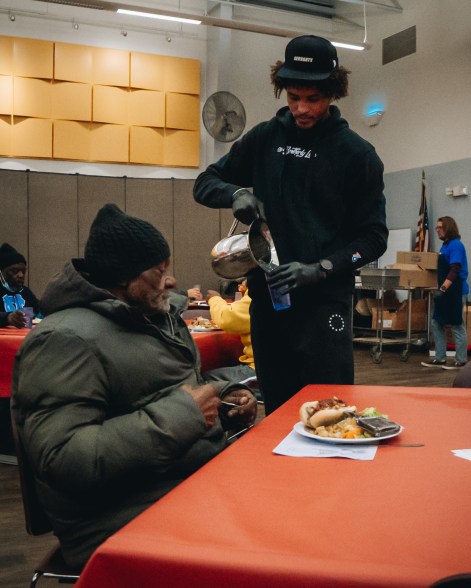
(427, 95)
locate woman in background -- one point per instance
(451, 296)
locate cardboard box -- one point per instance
(395, 319)
(376, 278)
(424, 259)
(414, 276)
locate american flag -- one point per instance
(422, 239)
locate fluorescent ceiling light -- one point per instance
(348, 46)
(159, 16)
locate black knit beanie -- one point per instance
(120, 247)
(9, 256)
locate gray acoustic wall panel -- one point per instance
(14, 211)
(52, 226)
(93, 193)
(196, 232)
(48, 217)
(152, 200)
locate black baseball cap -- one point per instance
(309, 58)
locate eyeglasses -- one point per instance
(439, 228)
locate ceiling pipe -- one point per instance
(206, 20)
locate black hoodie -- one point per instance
(321, 189)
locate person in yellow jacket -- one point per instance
(234, 317)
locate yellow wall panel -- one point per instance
(73, 63)
(71, 140)
(147, 71)
(181, 148)
(5, 135)
(109, 143)
(31, 97)
(146, 146)
(182, 75)
(71, 101)
(67, 101)
(182, 111)
(6, 95)
(146, 108)
(6, 56)
(33, 58)
(110, 67)
(31, 137)
(110, 105)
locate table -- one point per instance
(217, 349)
(250, 518)
(10, 340)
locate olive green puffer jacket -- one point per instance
(98, 401)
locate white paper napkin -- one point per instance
(464, 453)
(295, 445)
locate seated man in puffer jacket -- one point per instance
(107, 393)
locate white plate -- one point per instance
(203, 329)
(301, 430)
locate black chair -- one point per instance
(37, 522)
(457, 581)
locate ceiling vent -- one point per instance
(320, 8)
(399, 45)
(97, 5)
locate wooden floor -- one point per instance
(19, 552)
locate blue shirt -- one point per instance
(455, 252)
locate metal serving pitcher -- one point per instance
(235, 255)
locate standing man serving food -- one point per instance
(320, 187)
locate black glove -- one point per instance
(295, 275)
(245, 206)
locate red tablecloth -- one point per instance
(217, 349)
(250, 518)
(10, 341)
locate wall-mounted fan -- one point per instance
(224, 116)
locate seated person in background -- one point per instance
(195, 293)
(107, 397)
(14, 295)
(234, 318)
(192, 293)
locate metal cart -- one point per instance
(381, 280)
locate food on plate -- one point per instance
(203, 323)
(332, 418)
(345, 429)
(324, 412)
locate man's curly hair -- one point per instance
(334, 87)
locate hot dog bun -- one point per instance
(324, 412)
(329, 416)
